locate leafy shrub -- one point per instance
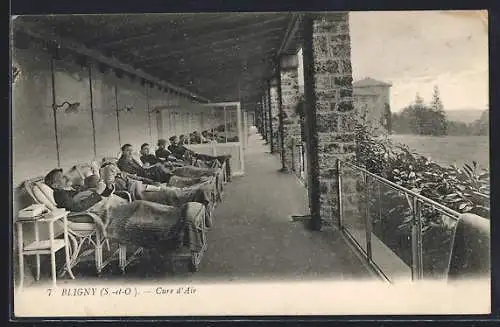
(463, 189)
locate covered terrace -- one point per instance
(283, 81)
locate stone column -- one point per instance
(262, 126)
(257, 117)
(274, 113)
(264, 117)
(270, 139)
(328, 75)
(289, 100)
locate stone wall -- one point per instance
(334, 105)
(275, 119)
(291, 125)
(265, 115)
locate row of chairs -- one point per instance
(86, 235)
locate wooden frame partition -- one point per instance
(236, 149)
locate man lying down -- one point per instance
(200, 192)
(186, 178)
(142, 223)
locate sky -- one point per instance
(417, 50)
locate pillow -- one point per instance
(45, 195)
(74, 177)
(109, 160)
(108, 173)
(87, 169)
(92, 181)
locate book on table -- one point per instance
(32, 212)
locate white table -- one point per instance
(50, 246)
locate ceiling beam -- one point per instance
(118, 27)
(217, 34)
(213, 71)
(218, 51)
(293, 28)
(248, 83)
(210, 45)
(159, 28)
(38, 31)
(256, 53)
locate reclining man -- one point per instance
(177, 148)
(114, 216)
(147, 158)
(94, 197)
(170, 195)
(164, 155)
(128, 164)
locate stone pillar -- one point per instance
(328, 76)
(262, 130)
(269, 118)
(257, 117)
(274, 113)
(265, 114)
(289, 100)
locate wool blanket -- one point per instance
(153, 225)
(193, 172)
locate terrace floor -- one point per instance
(253, 236)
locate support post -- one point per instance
(92, 119)
(310, 122)
(54, 108)
(280, 116)
(270, 117)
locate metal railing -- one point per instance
(298, 160)
(401, 234)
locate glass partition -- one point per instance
(221, 132)
(402, 234)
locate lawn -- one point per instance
(449, 150)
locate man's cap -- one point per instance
(161, 142)
(49, 178)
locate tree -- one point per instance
(417, 115)
(419, 100)
(436, 103)
(439, 124)
(387, 118)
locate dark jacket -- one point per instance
(171, 148)
(150, 159)
(132, 167)
(178, 151)
(64, 199)
(162, 154)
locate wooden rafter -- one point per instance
(158, 29)
(217, 34)
(39, 31)
(256, 53)
(209, 45)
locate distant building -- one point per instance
(372, 98)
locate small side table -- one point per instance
(50, 246)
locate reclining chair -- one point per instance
(82, 226)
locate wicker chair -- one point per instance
(79, 232)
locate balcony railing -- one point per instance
(401, 234)
(298, 160)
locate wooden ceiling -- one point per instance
(219, 56)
